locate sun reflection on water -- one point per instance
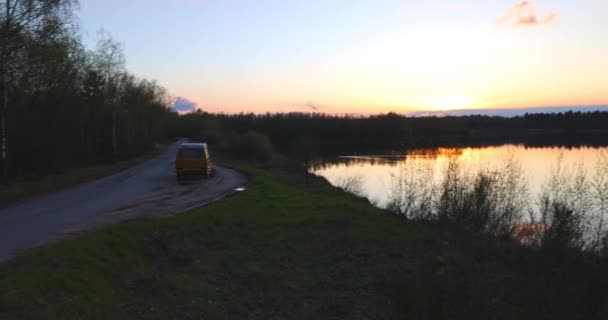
(375, 171)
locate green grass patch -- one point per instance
(24, 189)
(279, 250)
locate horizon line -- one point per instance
(504, 112)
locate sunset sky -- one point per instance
(365, 57)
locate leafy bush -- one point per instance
(253, 146)
(250, 146)
(565, 231)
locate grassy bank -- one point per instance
(279, 250)
(24, 189)
(293, 247)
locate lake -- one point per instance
(373, 176)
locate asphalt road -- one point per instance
(149, 186)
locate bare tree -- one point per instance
(508, 195)
(599, 192)
(566, 207)
(413, 189)
(351, 184)
(110, 63)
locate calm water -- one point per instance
(375, 173)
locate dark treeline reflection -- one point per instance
(392, 159)
(63, 105)
(309, 135)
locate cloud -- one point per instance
(183, 105)
(525, 13)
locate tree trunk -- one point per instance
(4, 106)
(83, 132)
(3, 138)
(114, 141)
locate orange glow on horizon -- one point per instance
(367, 105)
(446, 103)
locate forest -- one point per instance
(305, 135)
(63, 105)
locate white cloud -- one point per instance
(183, 105)
(525, 13)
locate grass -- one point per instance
(281, 249)
(24, 189)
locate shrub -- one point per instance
(573, 207)
(253, 146)
(565, 231)
(483, 201)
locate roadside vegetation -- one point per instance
(250, 146)
(65, 106)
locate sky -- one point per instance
(362, 57)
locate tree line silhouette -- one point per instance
(63, 105)
(310, 134)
